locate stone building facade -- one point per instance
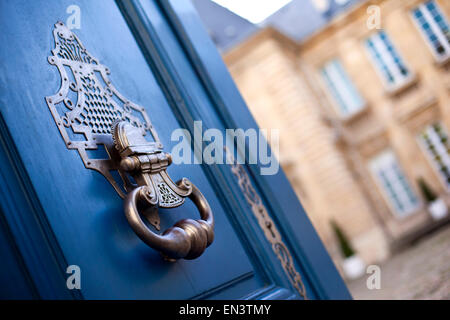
(363, 111)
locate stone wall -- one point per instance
(324, 155)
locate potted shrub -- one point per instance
(436, 205)
(353, 266)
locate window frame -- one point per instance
(422, 144)
(437, 58)
(391, 87)
(344, 115)
(400, 215)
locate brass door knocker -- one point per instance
(91, 114)
(187, 238)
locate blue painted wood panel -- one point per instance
(16, 282)
(83, 210)
(158, 62)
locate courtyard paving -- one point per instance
(419, 272)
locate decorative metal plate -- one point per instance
(267, 224)
(87, 104)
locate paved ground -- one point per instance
(420, 272)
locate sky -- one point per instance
(253, 10)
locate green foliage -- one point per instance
(344, 243)
(428, 194)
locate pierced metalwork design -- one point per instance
(266, 223)
(87, 104)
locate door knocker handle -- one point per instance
(147, 164)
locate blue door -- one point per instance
(60, 192)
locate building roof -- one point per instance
(297, 20)
(226, 28)
(300, 18)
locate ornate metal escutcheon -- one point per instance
(91, 114)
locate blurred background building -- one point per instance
(360, 92)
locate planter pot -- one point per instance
(353, 267)
(438, 209)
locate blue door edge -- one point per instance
(205, 59)
(167, 72)
(43, 260)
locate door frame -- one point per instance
(181, 29)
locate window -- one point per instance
(387, 60)
(434, 27)
(341, 87)
(393, 183)
(435, 142)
